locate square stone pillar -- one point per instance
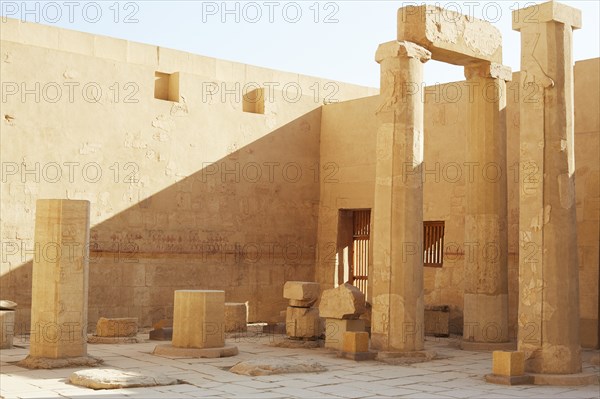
(548, 269)
(199, 319)
(60, 285)
(398, 310)
(486, 235)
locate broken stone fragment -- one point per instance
(275, 366)
(115, 379)
(343, 302)
(301, 291)
(302, 322)
(118, 327)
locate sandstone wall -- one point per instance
(188, 191)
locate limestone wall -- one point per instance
(188, 191)
(446, 171)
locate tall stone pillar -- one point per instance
(486, 234)
(398, 310)
(548, 270)
(60, 285)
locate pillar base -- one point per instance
(418, 356)
(488, 346)
(566, 379)
(168, 350)
(94, 339)
(509, 380)
(358, 356)
(34, 362)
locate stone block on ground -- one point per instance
(302, 322)
(199, 319)
(335, 329)
(355, 341)
(304, 293)
(269, 366)
(508, 364)
(236, 317)
(115, 379)
(343, 302)
(162, 334)
(7, 324)
(437, 321)
(117, 327)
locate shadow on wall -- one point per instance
(244, 224)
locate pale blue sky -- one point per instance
(330, 39)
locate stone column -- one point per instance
(548, 270)
(486, 234)
(398, 311)
(60, 285)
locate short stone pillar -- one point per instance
(7, 323)
(236, 317)
(198, 326)
(508, 368)
(398, 307)
(60, 285)
(302, 321)
(341, 307)
(548, 268)
(486, 261)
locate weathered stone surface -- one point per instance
(113, 379)
(270, 366)
(302, 322)
(301, 291)
(7, 326)
(343, 302)
(34, 362)
(168, 350)
(236, 317)
(508, 364)
(302, 304)
(451, 37)
(7, 305)
(162, 334)
(117, 327)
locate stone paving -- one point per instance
(457, 374)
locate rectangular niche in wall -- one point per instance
(166, 86)
(254, 101)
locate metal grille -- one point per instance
(359, 269)
(433, 243)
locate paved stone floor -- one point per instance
(458, 374)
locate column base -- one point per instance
(488, 346)
(509, 380)
(417, 356)
(168, 350)
(566, 379)
(34, 362)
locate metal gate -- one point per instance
(361, 231)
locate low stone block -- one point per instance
(302, 322)
(115, 379)
(7, 324)
(301, 291)
(117, 327)
(335, 329)
(236, 317)
(343, 302)
(437, 321)
(162, 334)
(508, 363)
(355, 341)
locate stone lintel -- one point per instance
(550, 11)
(450, 36)
(395, 49)
(488, 70)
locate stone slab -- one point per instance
(357, 356)
(301, 290)
(162, 334)
(509, 380)
(168, 350)
(114, 379)
(450, 36)
(93, 339)
(546, 12)
(576, 379)
(34, 362)
(271, 366)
